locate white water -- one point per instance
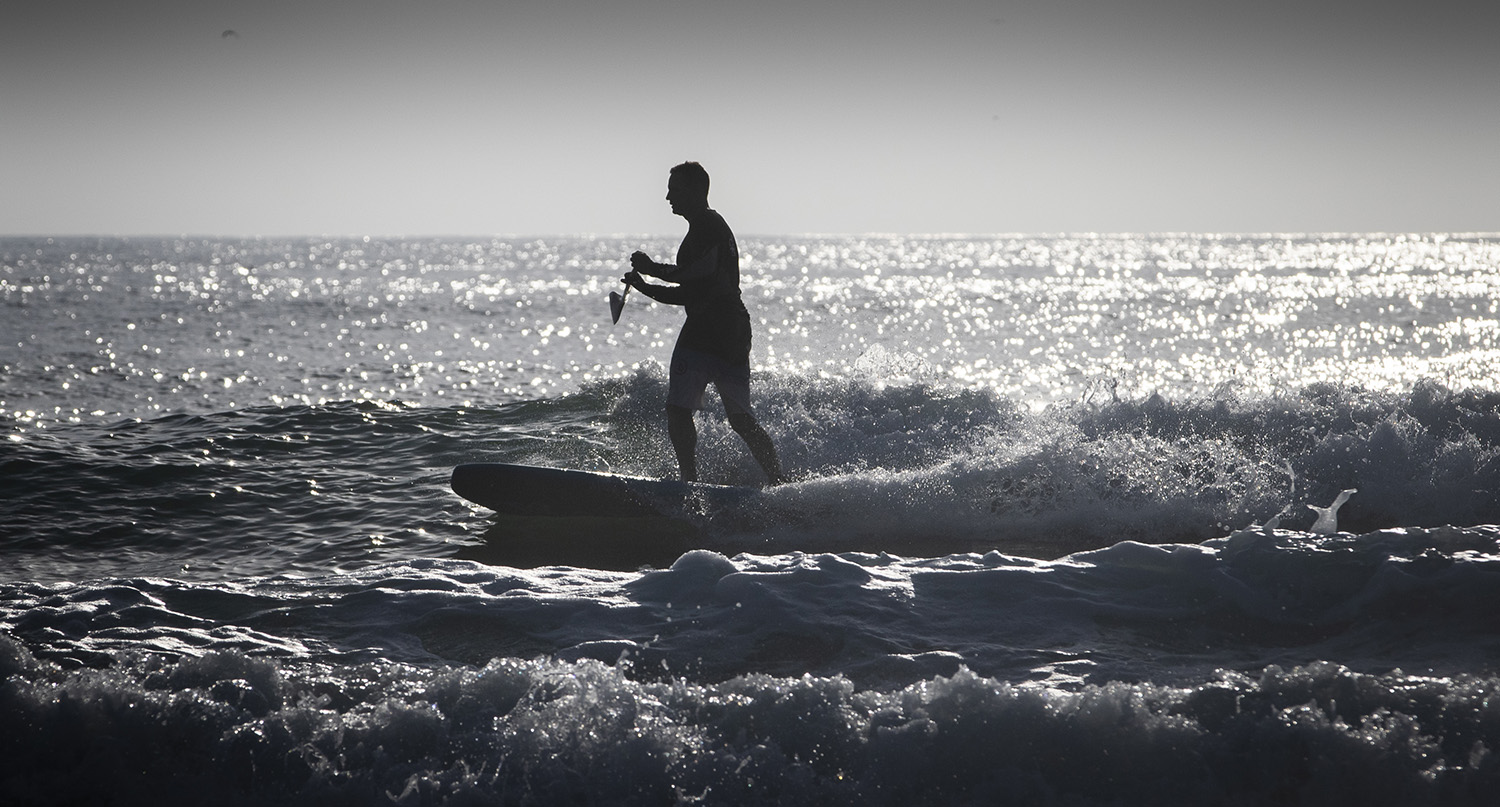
(1025, 565)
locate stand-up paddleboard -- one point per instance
(530, 490)
(555, 516)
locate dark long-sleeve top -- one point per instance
(707, 278)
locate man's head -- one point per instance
(687, 188)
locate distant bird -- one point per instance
(1328, 517)
(230, 34)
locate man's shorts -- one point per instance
(693, 370)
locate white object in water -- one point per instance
(1328, 517)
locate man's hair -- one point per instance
(694, 175)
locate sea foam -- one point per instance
(233, 730)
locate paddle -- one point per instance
(617, 304)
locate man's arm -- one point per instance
(702, 266)
(671, 295)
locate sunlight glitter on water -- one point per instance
(1041, 320)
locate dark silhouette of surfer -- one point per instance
(714, 343)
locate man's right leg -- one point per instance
(684, 434)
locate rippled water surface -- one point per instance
(129, 328)
(1054, 535)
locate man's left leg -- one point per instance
(761, 447)
(733, 384)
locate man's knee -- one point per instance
(743, 422)
(679, 414)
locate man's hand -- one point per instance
(641, 262)
(633, 279)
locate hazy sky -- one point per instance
(460, 117)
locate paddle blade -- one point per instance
(616, 305)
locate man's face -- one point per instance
(680, 196)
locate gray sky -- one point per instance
(532, 117)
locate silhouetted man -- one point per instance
(714, 344)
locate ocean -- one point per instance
(1051, 538)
